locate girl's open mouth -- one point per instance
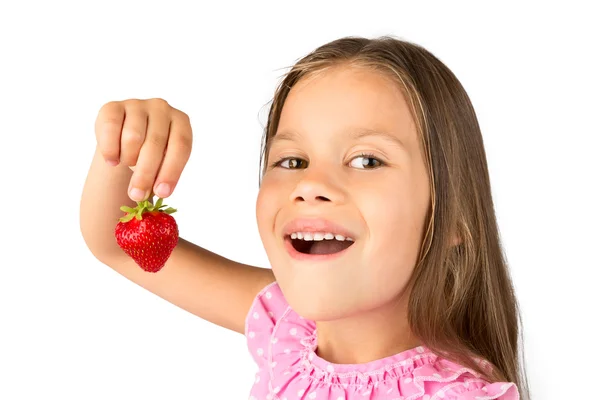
(305, 245)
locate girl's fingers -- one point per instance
(108, 131)
(177, 154)
(151, 154)
(133, 133)
(149, 136)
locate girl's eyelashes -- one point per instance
(369, 161)
(362, 161)
(290, 163)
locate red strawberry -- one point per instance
(148, 234)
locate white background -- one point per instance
(71, 328)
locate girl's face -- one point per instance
(346, 161)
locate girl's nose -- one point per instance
(316, 187)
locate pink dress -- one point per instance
(282, 343)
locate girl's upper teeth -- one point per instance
(319, 236)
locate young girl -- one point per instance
(388, 279)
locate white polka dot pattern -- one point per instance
(283, 346)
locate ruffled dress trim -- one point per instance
(283, 345)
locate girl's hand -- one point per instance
(149, 135)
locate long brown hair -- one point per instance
(462, 304)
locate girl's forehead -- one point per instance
(349, 84)
(349, 104)
(352, 97)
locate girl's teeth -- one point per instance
(318, 236)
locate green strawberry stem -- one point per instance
(142, 207)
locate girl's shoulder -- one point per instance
(283, 345)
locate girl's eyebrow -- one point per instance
(285, 135)
(354, 133)
(362, 133)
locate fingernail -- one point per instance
(112, 163)
(137, 194)
(163, 190)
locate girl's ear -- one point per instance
(456, 240)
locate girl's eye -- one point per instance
(363, 161)
(292, 163)
(366, 161)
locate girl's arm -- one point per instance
(212, 287)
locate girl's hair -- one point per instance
(462, 303)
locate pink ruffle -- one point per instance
(283, 345)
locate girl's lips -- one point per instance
(316, 225)
(295, 254)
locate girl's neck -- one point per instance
(368, 336)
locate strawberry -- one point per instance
(148, 234)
